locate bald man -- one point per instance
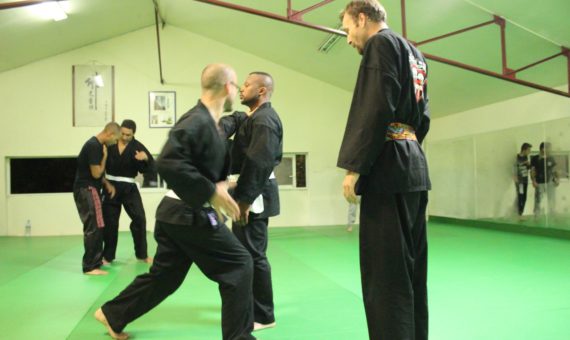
(189, 223)
(87, 195)
(257, 150)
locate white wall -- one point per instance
(37, 121)
(471, 155)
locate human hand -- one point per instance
(244, 216)
(348, 185)
(141, 156)
(222, 202)
(110, 189)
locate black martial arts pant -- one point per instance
(128, 196)
(393, 265)
(254, 236)
(217, 253)
(88, 203)
(521, 188)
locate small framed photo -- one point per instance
(161, 109)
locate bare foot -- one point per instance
(259, 326)
(349, 228)
(96, 271)
(147, 260)
(102, 319)
(105, 262)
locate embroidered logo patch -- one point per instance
(419, 72)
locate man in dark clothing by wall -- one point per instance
(520, 176)
(381, 151)
(125, 160)
(87, 195)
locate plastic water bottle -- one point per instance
(28, 228)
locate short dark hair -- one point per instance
(267, 82)
(112, 127)
(129, 124)
(544, 145)
(372, 9)
(525, 146)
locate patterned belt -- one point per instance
(399, 131)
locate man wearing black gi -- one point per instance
(257, 150)
(521, 168)
(382, 154)
(189, 225)
(87, 195)
(544, 179)
(125, 160)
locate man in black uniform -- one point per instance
(521, 168)
(257, 149)
(189, 225)
(544, 179)
(87, 195)
(125, 160)
(382, 154)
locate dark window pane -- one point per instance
(300, 171)
(42, 175)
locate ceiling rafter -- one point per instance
(507, 74)
(23, 3)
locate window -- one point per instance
(42, 175)
(291, 172)
(57, 174)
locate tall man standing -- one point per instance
(189, 225)
(87, 195)
(257, 149)
(382, 154)
(125, 160)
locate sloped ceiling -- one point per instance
(24, 39)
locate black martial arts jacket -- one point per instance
(125, 164)
(390, 88)
(257, 149)
(192, 161)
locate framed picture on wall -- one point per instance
(161, 109)
(93, 94)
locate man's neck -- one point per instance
(214, 105)
(375, 27)
(256, 106)
(100, 137)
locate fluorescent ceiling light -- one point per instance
(51, 10)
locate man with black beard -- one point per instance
(189, 223)
(257, 150)
(125, 160)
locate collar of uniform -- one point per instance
(261, 107)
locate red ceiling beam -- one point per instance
(507, 73)
(454, 33)
(298, 15)
(566, 53)
(498, 75)
(536, 63)
(291, 20)
(23, 3)
(404, 26)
